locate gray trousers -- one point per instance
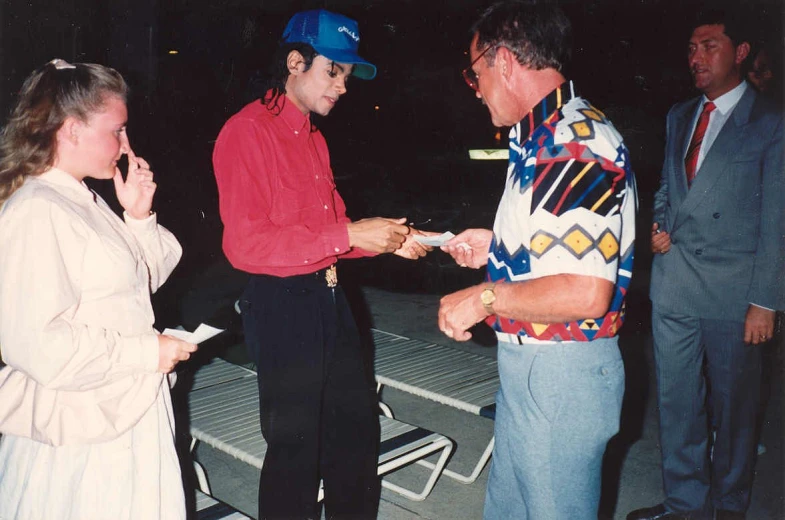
(708, 380)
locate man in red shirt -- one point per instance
(286, 224)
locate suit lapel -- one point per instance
(678, 184)
(686, 124)
(718, 159)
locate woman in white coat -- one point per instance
(85, 411)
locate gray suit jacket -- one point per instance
(728, 230)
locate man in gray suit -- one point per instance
(716, 278)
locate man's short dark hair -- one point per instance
(735, 23)
(537, 32)
(736, 26)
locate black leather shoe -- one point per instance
(657, 512)
(722, 514)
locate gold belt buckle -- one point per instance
(331, 275)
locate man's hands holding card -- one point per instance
(415, 246)
(469, 248)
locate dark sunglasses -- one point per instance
(469, 76)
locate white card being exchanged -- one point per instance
(202, 333)
(435, 240)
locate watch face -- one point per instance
(488, 297)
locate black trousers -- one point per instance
(318, 407)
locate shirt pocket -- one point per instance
(294, 198)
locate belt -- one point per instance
(521, 340)
(509, 338)
(328, 274)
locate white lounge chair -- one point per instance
(225, 415)
(446, 375)
(216, 372)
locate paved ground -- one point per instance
(632, 476)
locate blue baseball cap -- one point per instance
(332, 35)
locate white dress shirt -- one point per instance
(725, 105)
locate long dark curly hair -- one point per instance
(278, 73)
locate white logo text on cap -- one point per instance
(343, 29)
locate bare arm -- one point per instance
(551, 299)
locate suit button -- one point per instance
(673, 241)
(699, 252)
(716, 215)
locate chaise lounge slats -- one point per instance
(218, 371)
(448, 376)
(225, 415)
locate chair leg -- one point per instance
(470, 478)
(386, 410)
(446, 446)
(201, 476)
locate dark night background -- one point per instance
(408, 157)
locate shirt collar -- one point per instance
(64, 179)
(545, 107)
(728, 100)
(290, 116)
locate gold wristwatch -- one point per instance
(487, 297)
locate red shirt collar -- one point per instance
(291, 116)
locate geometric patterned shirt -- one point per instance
(568, 207)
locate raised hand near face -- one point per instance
(135, 193)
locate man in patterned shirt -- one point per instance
(559, 261)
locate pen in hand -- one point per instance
(417, 224)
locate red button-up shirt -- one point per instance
(281, 212)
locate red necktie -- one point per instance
(691, 159)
